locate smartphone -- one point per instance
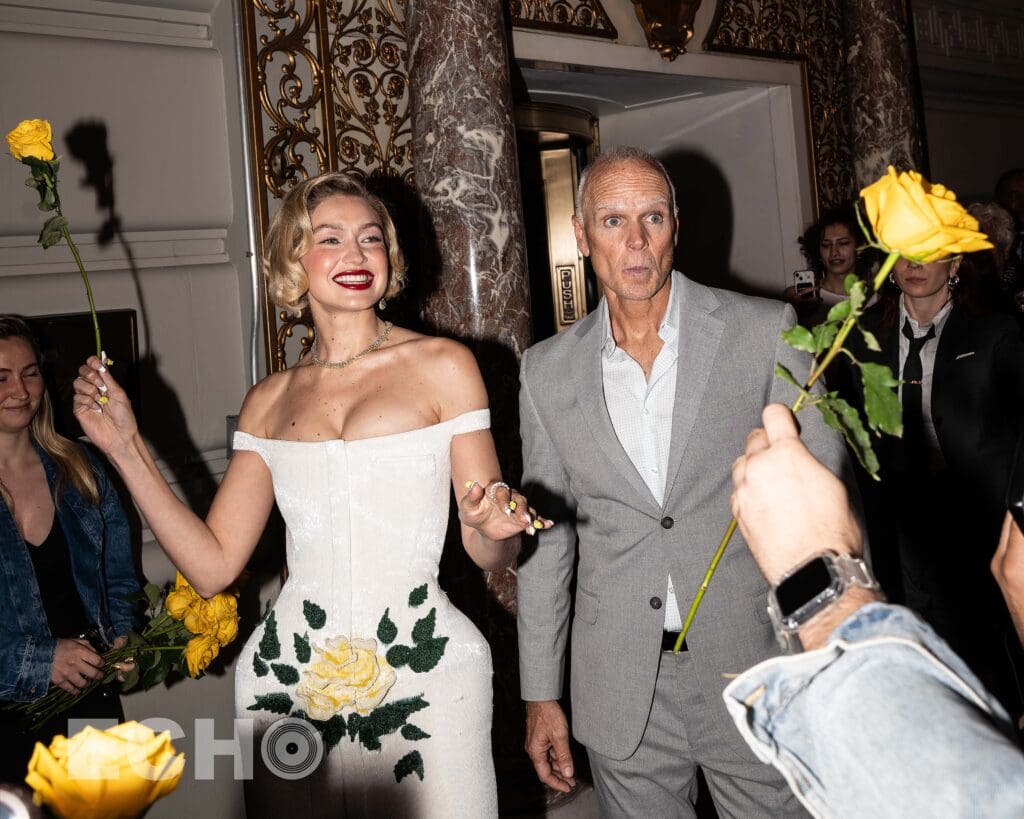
(803, 280)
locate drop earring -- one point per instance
(382, 304)
(953, 281)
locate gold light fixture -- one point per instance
(668, 24)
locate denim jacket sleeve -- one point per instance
(26, 661)
(121, 580)
(884, 720)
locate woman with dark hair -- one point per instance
(941, 500)
(66, 571)
(830, 247)
(360, 446)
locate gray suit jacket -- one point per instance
(578, 473)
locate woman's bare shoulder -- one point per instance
(451, 368)
(260, 401)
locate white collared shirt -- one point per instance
(641, 409)
(928, 351)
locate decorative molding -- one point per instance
(811, 31)
(328, 90)
(369, 87)
(667, 24)
(963, 33)
(564, 16)
(22, 256)
(117, 22)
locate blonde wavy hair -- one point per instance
(73, 468)
(290, 237)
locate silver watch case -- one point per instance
(844, 571)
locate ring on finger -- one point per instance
(493, 488)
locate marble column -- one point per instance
(887, 126)
(467, 176)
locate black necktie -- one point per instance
(914, 447)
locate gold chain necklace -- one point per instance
(337, 365)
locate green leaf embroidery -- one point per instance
(315, 616)
(259, 666)
(413, 732)
(424, 628)
(799, 338)
(839, 415)
(302, 651)
(286, 674)
(427, 654)
(418, 595)
(384, 720)
(387, 631)
(412, 762)
(881, 401)
(270, 646)
(275, 703)
(332, 730)
(398, 655)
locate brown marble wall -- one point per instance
(884, 89)
(467, 177)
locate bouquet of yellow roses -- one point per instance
(184, 634)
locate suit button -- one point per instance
(667, 523)
(655, 602)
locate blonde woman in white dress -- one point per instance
(362, 657)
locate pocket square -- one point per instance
(964, 355)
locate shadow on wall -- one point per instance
(705, 221)
(161, 418)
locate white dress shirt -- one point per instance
(641, 409)
(928, 351)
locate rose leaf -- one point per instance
(881, 401)
(799, 338)
(840, 416)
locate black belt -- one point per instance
(668, 641)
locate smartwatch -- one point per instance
(811, 588)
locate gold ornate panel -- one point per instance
(812, 31)
(565, 16)
(327, 91)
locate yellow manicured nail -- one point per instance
(103, 399)
(512, 505)
(538, 524)
(470, 484)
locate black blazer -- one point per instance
(977, 404)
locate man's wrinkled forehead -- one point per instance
(613, 185)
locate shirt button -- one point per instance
(655, 603)
(667, 523)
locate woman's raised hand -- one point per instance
(102, 407)
(499, 512)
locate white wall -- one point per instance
(160, 76)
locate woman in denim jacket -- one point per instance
(66, 571)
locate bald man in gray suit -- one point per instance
(631, 420)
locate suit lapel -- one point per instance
(700, 334)
(589, 384)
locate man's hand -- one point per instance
(547, 744)
(1008, 570)
(788, 506)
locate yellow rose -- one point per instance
(200, 652)
(31, 137)
(115, 773)
(918, 220)
(199, 618)
(348, 676)
(227, 630)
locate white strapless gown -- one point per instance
(362, 646)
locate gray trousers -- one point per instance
(687, 729)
